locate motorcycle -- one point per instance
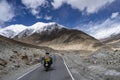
(47, 66)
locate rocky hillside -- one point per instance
(15, 55)
(103, 64)
(114, 37)
(113, 41)
(55, 36)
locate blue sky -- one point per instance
(99, 18)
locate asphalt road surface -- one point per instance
(58, 71)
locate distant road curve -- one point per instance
(58, 71)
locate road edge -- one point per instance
(66, 65)
(28, 72)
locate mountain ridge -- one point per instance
(56, 36)
(13, 30)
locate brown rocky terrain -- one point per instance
(69, 39)
(15, 55)
(113, 41)
(103, 64)
(111, 38)
(87, 57)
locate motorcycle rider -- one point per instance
(47, 59)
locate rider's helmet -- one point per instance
(47, 53)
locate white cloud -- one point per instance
(48, 17)
(101, 30)
(57, 3)
(106, 32)
(114, 15)
(38, 16)
(90, 6)
(33, 5)
(6, 11)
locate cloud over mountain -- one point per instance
(90, 6)
(87, 15)
(102, 29)
(6, 11)
(33, 5)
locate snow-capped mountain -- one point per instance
(55, 36)
(51, 35)
(12, 31)
(39, 28)
(21, 30)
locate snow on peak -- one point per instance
(13, 30)
(39, 26)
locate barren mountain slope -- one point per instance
(15, 55)
(69, 39)
(113, 41)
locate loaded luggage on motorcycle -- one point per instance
(47, 61)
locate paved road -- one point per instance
(58, 71)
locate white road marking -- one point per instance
(67, 68)
(40, 65)
(27, 73)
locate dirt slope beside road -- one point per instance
(104, 64)
(16, 55)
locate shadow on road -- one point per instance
(50, 69)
